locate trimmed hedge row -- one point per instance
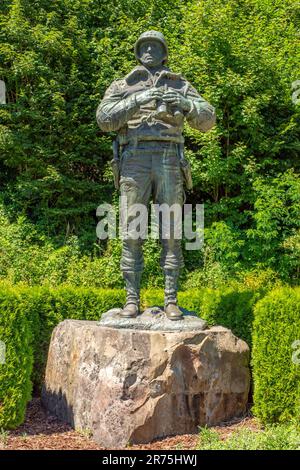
(276, 356)
(27, 319)
(228, 307)
(17, 329)
(28, 316)
(55, 305)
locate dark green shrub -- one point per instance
(55, 305)
(29, 315)
(57, 59)
(17, 329)
(228, 306)
(276, 365)
(150, 297)
(231, 308)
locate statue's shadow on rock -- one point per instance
(58, 405)
(153, 318)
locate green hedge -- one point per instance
(191, 299)
(276, 375)
(229, 307)
(17, 330)
(27, 319)
(28, 316)
(55, 305)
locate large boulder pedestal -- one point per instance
(132, 381)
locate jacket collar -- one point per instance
(142, 74)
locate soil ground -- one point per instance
(41, 431)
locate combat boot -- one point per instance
(132, 285)
(130, 310)
(171, 286)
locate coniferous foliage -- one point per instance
(58, 57)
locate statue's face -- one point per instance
(152, 53)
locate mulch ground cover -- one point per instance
(42, 431)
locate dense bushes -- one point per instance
(272, 437)
(58, 57)
(17, 330)
(276, 356)
(28, 257)
(28, 316)
(231, 307)
(27, 319)
(55, 305)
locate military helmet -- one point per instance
(148, 35)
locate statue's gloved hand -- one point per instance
(174, 98)
(144, 97)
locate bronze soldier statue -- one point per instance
(147, 108)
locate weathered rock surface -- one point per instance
(128, 385)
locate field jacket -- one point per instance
(119, 111)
